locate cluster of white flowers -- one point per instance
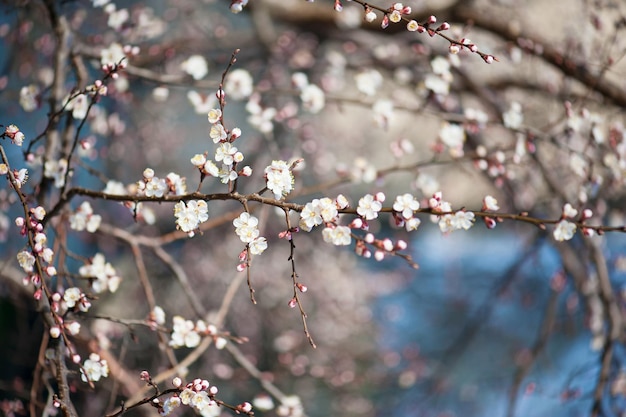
(186, 333)
(74, 297)
(565, 229)
(102, 273)
(279, 178)
(198, 394)
(15, 134)
(246, 227)
(94, 368)
(27, 259)
(337, 235)
(457, 221)
(190, 215)
(313, 97)
(153, 186)
(451, 221)
(406, 205)
(84, 218)
(318, 211)
(227, 155)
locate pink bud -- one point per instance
(401, 245)
(35, 280)
(302, 287)
(356, 223)
(432, 19)
(144, 375)
(241, 267)
(489, 222)
(76, 358)
(293, 302)
(379, 255)
(589, 232)
(385, 23)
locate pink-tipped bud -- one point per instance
(385, 23)
(432, 19)
(302, 287)
(443, 26)
(489, 222)
(293, 302)
(145, 376)
(241, 267)
(356, 223)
